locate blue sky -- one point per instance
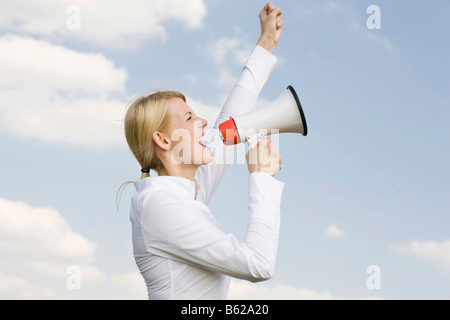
(368, 186)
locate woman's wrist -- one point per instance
(266, 43)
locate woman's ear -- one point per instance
(161, 140)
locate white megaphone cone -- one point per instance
(284, 114)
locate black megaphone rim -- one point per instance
(300, 109)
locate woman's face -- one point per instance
(186, 133)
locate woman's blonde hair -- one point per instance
(146, 115)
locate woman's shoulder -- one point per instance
(159, 197)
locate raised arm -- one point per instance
(258, 67)
(242, 99)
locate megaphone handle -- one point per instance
(253, 140)
(252, 143)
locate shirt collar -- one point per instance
(176, 185)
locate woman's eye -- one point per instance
(189, 118)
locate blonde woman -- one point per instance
(178, 247)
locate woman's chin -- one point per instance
(202, 155)
(208, 157)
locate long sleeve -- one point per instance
(244, 95)
(242, 99)
(188, 234)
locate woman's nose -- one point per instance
(204, 122)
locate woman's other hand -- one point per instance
(263, 158)
(271, 23)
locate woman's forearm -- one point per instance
(258, 67)
(254, 76)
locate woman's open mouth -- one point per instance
(201, 141)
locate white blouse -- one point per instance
(178, 246)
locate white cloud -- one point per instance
(123, 24)
(242, 290)
(230, 55)
(382, 40)
(92, 122)
(40, 89)
(372, 36)
(227, 52)
(26, 62)
(331, 5)
(43, 230)
(333, 231)
(38, 247)
(14, 287)
(438, 254)
(226, 48)
(226, 79)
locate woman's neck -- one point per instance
(187, 172)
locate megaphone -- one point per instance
(284, 114)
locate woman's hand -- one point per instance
(271, 23)
(263, 158)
